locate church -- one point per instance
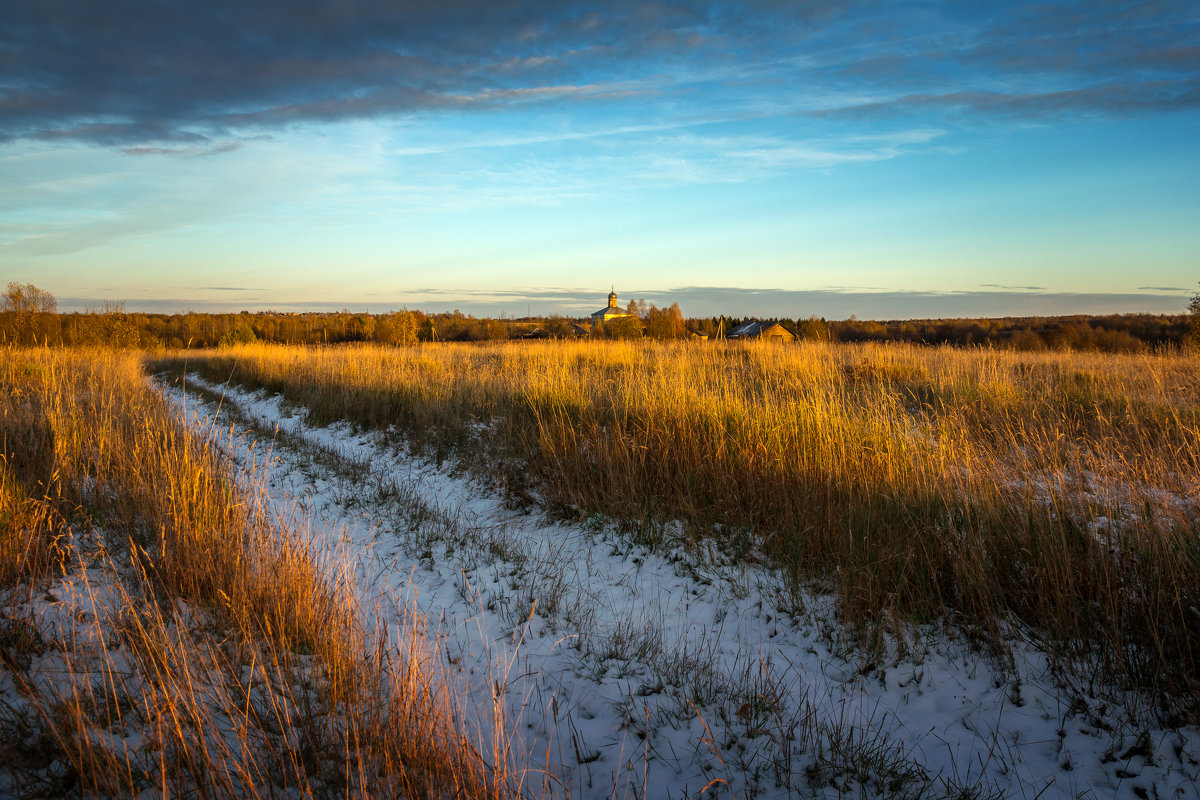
(611, 312)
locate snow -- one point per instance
(76, 653)
(603, 669)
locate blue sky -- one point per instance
(779, 158)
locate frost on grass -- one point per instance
(596, 667)
(107, 691)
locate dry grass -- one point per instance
(208, 655)
(1057, 491)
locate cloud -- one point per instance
(131, 74)
(190, 152)
(113, 133)
(1121, 99)
(778, 153)
(128, 73)
(1021, 288)
(1051, 60)
(882, 305)
(1161, 289)
(702, 301)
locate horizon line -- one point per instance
(865, 303)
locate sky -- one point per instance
(776, 158)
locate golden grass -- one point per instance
(236, 667)
(984, 487)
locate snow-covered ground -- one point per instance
(615, 671)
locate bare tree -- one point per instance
(21, 308)
(27, 297)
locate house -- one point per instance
(555, 330)
(757, 329)
(612, 311)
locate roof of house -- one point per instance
(753, 328)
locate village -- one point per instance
(25, 322)
(638, 320)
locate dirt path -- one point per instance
(600, 669)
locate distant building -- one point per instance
(757, 329)
(612, 311)
(569, 330)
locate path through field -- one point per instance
(608, 670)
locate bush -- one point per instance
(241, 333)
(621, 328)
(399, 328)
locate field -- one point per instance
(749, 570)
(163, 634)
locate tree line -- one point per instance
(1117, 333)
(29, 316)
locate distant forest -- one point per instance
(1112, 333)
(1120, 333)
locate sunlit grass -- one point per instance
(212, 656)
(1055, 491)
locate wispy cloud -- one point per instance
(777, 153)
(1019, 288)
(1119, 99)
(190, 152)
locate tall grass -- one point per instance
(221, 661)
(1057, 491)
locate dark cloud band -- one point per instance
(700, 301)
(131, 73)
